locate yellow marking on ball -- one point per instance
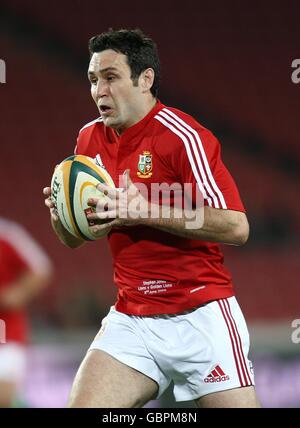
(66, 167)
(86, 184)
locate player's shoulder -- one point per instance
(10, 231)
(90, 126)
(181, 125)
(86, 134)
(7, 226)
(19, 241)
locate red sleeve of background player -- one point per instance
(200, 163)
(14, 262)
(21, 252)
(11, 264)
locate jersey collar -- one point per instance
(139, 126)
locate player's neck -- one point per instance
(141, 113)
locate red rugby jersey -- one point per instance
(157, 272)
(19, 253)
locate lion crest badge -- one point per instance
(145, 165)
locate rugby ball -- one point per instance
(74, 181)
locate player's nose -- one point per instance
(102, 89)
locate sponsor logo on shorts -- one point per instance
(216, 375)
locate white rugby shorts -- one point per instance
(204, 350)
(12, 362)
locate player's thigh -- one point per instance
(102, 381)
(231, 398)
(12, 372)
(8, 392)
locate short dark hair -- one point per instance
(140, 50)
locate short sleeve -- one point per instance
(23, 250)
(13, 260)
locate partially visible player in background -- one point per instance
(25, 270)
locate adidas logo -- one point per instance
(216, 375)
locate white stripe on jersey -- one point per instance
(199, 161)
(206, 174)
(99, 119)
(189, 153)
(25, 246)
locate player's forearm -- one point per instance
(23, 290)
(207, 224)
(64, 236)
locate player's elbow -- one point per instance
(240, 232)
(42, 279)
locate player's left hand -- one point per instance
(125, 206)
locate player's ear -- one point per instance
(147, 79)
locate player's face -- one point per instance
(119, 101)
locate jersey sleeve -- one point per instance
(84, 140)
(200, 163)
(13, 260)
(25, 251)
(78, 147)
(83, 143)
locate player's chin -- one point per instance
(110, 121)
(106, 118)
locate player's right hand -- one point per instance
(50, 204)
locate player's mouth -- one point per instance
(105, 110)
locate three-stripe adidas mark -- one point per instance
(216, 375)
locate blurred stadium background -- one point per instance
(228, 63)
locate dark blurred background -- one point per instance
(228, 63)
